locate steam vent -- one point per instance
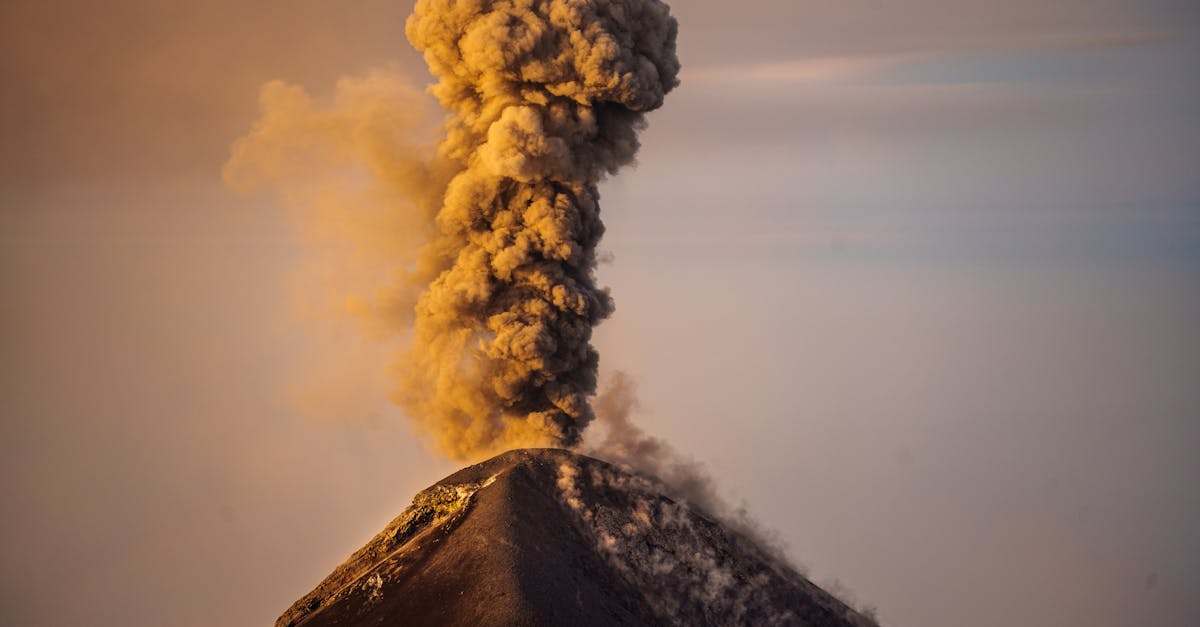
(548, 537)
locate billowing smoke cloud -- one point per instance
(546, 98)
(490, 243)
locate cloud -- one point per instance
(805, 70)
(799, 32)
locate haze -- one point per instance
(918, 282)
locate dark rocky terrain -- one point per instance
(549, 537)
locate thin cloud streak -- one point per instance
(808, 71)
(868, 67)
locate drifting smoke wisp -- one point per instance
(622, 442)
(492, 285)
(363, 181)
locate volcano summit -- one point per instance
(549, 537)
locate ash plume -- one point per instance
(476, 259)
(545, 98)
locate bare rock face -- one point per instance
(549, 537)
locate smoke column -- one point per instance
(545, 98)
(477, 258)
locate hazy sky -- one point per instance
(920, 282)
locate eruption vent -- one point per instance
(545, 98)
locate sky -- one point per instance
(917, 281)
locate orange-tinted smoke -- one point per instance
(490, 242)
(546, 98)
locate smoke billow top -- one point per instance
(498, 301)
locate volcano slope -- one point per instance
(549, 537)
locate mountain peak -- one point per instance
(550, 537)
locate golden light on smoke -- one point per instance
(490, 243)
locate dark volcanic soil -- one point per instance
(548, 537)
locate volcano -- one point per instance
(550, 537)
